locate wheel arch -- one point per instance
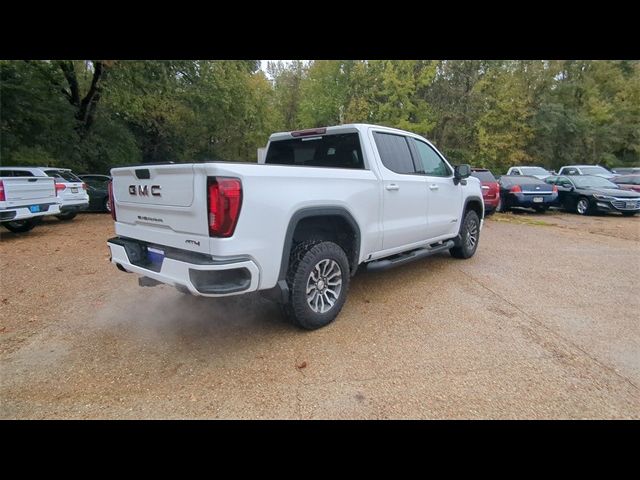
(321, 214)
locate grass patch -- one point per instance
(519, 219)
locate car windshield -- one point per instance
(594, 170)
(534, 171)
(591, 181)
(63, 175)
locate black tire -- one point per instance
(470, 229)
(67, 216)
(540, 209)
(19, 226)
(580, 210)
(107, 205)
(628, 214)
(304, 260)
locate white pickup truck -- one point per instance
(324, 202)
(25, 200)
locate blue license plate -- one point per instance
(34, 208)
(155, 255)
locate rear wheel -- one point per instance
(582, 207)
(501, 207)
(540, 209)
(318, 280)
(107, 205)
(67, 216)
(20, 226)
(469, 236)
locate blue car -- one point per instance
(523, 191)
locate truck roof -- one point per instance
(346, 126)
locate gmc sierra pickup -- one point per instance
(24, 200)
(325, 202)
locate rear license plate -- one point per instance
(155, 255)
(631, 204)
(34, 208)
(538, 199)
(74, 189)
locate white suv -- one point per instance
(586, 170)
(71, 190)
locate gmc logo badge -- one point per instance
(143, 190)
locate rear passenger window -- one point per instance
(432, 163)
(394, 152)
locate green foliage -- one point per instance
(94, 115)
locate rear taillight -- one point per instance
(224, 200)
(515, 189)
(2, 195)
(555, 189)
(60, 187)
(84, 186)
(112, 203)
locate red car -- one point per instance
(490, 189)
(628, 182)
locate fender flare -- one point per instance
(317, 212)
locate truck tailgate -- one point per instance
(155, 203)
(29, 190)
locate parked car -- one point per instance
(626, 170)
(326, 202)
(490, 189)
(586, 170)
(525, 191)
(628, 182)
(72, 191)
(586, 194)
(531, 171)
(97, 188)
(24, 200)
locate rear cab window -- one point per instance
(340, 150)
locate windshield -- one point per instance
(590, 181)
(534, 171)
(595, 170)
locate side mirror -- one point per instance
(461, 172)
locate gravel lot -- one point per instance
(542, 323)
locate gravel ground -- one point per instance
(542, 323)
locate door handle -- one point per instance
(434, 187)
(392, 186)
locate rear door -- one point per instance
(74, 191)
(404, 191)
(443, 196)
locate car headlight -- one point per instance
(602, 197)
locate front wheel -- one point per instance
(629, 214)
(107, 205)
(19, 226)
(582, 207)
(469, 236)
(318, 280)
